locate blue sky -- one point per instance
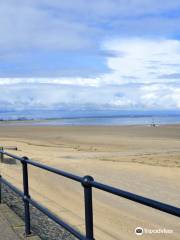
(101, 54)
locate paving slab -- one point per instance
(11, 226)
(6, 231)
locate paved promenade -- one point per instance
(11, 226)
(6, 231)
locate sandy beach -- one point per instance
(141, 159)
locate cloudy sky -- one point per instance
(101, 54)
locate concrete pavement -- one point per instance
(6, 231)
(11, 226)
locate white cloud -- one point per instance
(153, 64)
(143, 61)
(143, 74)
(77, 81)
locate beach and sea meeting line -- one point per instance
(62, 118)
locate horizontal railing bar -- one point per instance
(44, 210)
(42, 166)
(16, 190)
(130, 196)
(56, 219)
(56, 171)
(11, 155)
(139, 199)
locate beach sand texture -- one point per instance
(141, 159)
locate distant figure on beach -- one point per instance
(153, 123)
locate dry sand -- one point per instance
(140, 159)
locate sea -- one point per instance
(89, 118)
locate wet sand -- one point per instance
(141, 159)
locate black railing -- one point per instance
(88, 183)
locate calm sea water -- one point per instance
(103, 121)
(101, 118)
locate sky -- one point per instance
(98, 54)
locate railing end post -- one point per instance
(86, 183)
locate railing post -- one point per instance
(2, 159)
(2, 155)
(0, 190)
(86, 182)
(26, 195)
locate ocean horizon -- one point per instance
(85, 118)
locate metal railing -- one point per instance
(6, 148)
(88, 183)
